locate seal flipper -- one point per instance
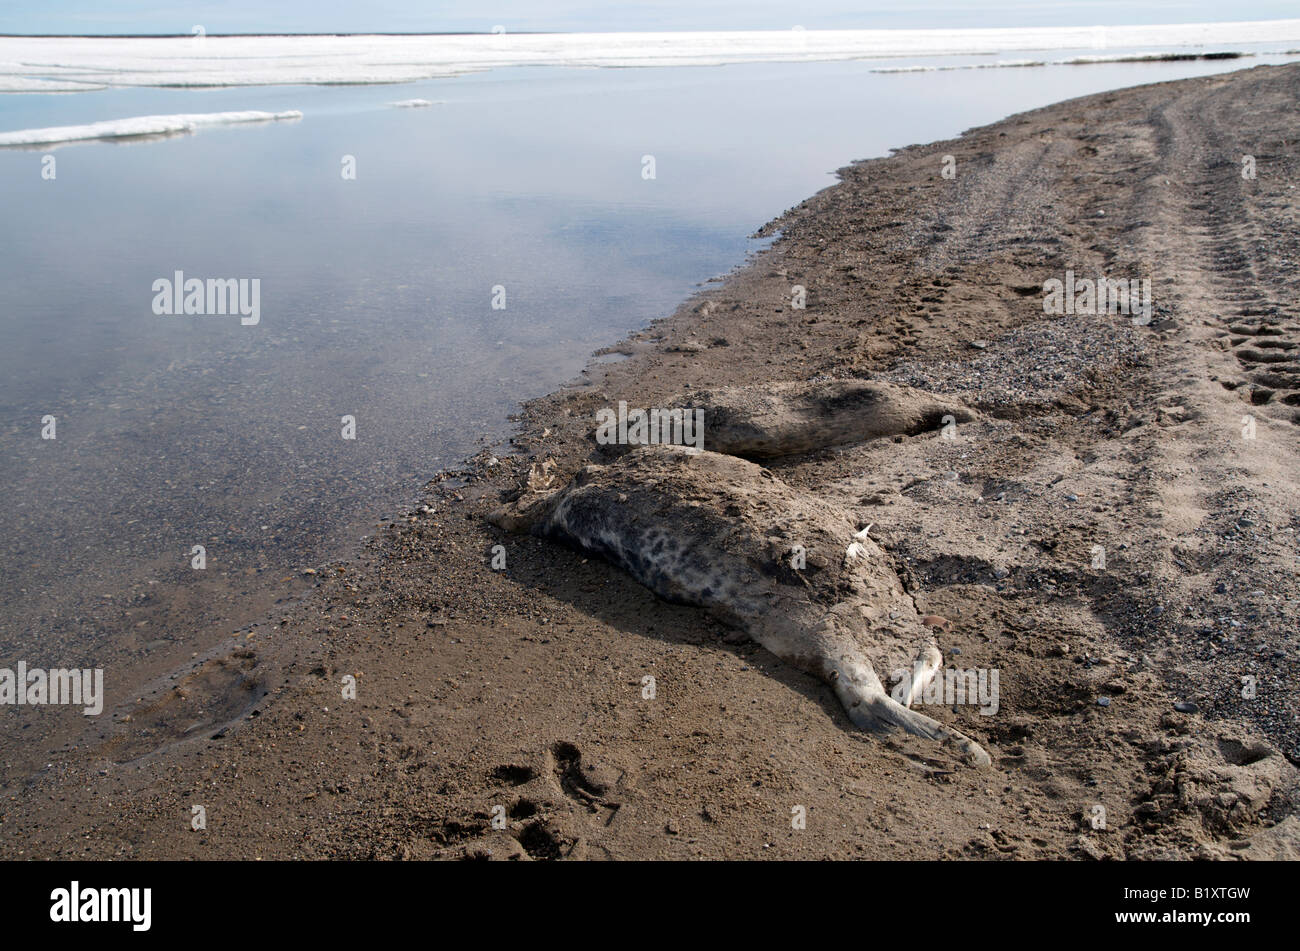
(876, 711)
(924, 669)
(826, 648)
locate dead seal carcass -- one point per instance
(712, 530)
(781, 419)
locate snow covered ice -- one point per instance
(136, 126)
(63, 63)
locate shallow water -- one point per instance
(376, 301)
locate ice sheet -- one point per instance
(271, 60)
(135, 126)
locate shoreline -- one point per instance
(522, 687)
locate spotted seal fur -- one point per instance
(715, 531)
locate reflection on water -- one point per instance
(523, 188)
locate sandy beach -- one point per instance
(1114, 532)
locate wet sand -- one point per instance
(523, 688)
